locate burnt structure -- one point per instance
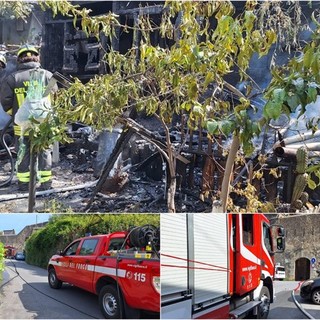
(68, 50)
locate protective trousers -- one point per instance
(44, 172)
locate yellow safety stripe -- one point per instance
(18, 131)
(45, 173)
(45, 176)
(20, 98)
(45, 179)
(23, 176)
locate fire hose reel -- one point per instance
(143, 236)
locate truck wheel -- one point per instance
(53, 280)
(264, 307)
(316, 296)
(111, 304)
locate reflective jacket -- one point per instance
(15, 87)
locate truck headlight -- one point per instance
(156, 283)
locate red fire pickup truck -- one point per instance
(122, 268)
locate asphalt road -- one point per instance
(284, 306)
(27, 295)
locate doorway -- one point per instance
(302, 269)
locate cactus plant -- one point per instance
(302, 160)
(299, 186)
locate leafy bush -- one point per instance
(63, 229)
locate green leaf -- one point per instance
(226, 127)
(212, 126)
(186, 106)
(293, 102)
(299, 84)
(197, 109)
(315, 64)
(248, 147)
(209, 78)
(255, 127)
(193, 90)
(312, 94)
(175, 80)
(279, 95)
(272, 110)
(311, 184)
(307, 58)
(249, 18)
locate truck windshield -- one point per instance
(88, 247)
(116, 244)
(280, 269)
(247, 224)
(267, 237)
(72, 249)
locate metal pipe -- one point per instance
(310, 146)
(301, 137)
(286, 152)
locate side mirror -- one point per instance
(277, 238)
(60, 253)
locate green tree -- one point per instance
(187, 78)
(296, 85)
(172, 80)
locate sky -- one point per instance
(18, 221)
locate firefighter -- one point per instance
(13, 92)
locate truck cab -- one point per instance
(218, 266)
(125, 277)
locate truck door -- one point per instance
(194, 266)
(65, 262)
(176, 295)
(83, 263)
(248, 252)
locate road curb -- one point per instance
(307, 314)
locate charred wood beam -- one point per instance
(121, 142)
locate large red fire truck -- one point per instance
(122, 268)
(218, 266)
(9, 252)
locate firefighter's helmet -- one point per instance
(3, 60)
(27, 48)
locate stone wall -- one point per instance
(18, 240)
(302, 244)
